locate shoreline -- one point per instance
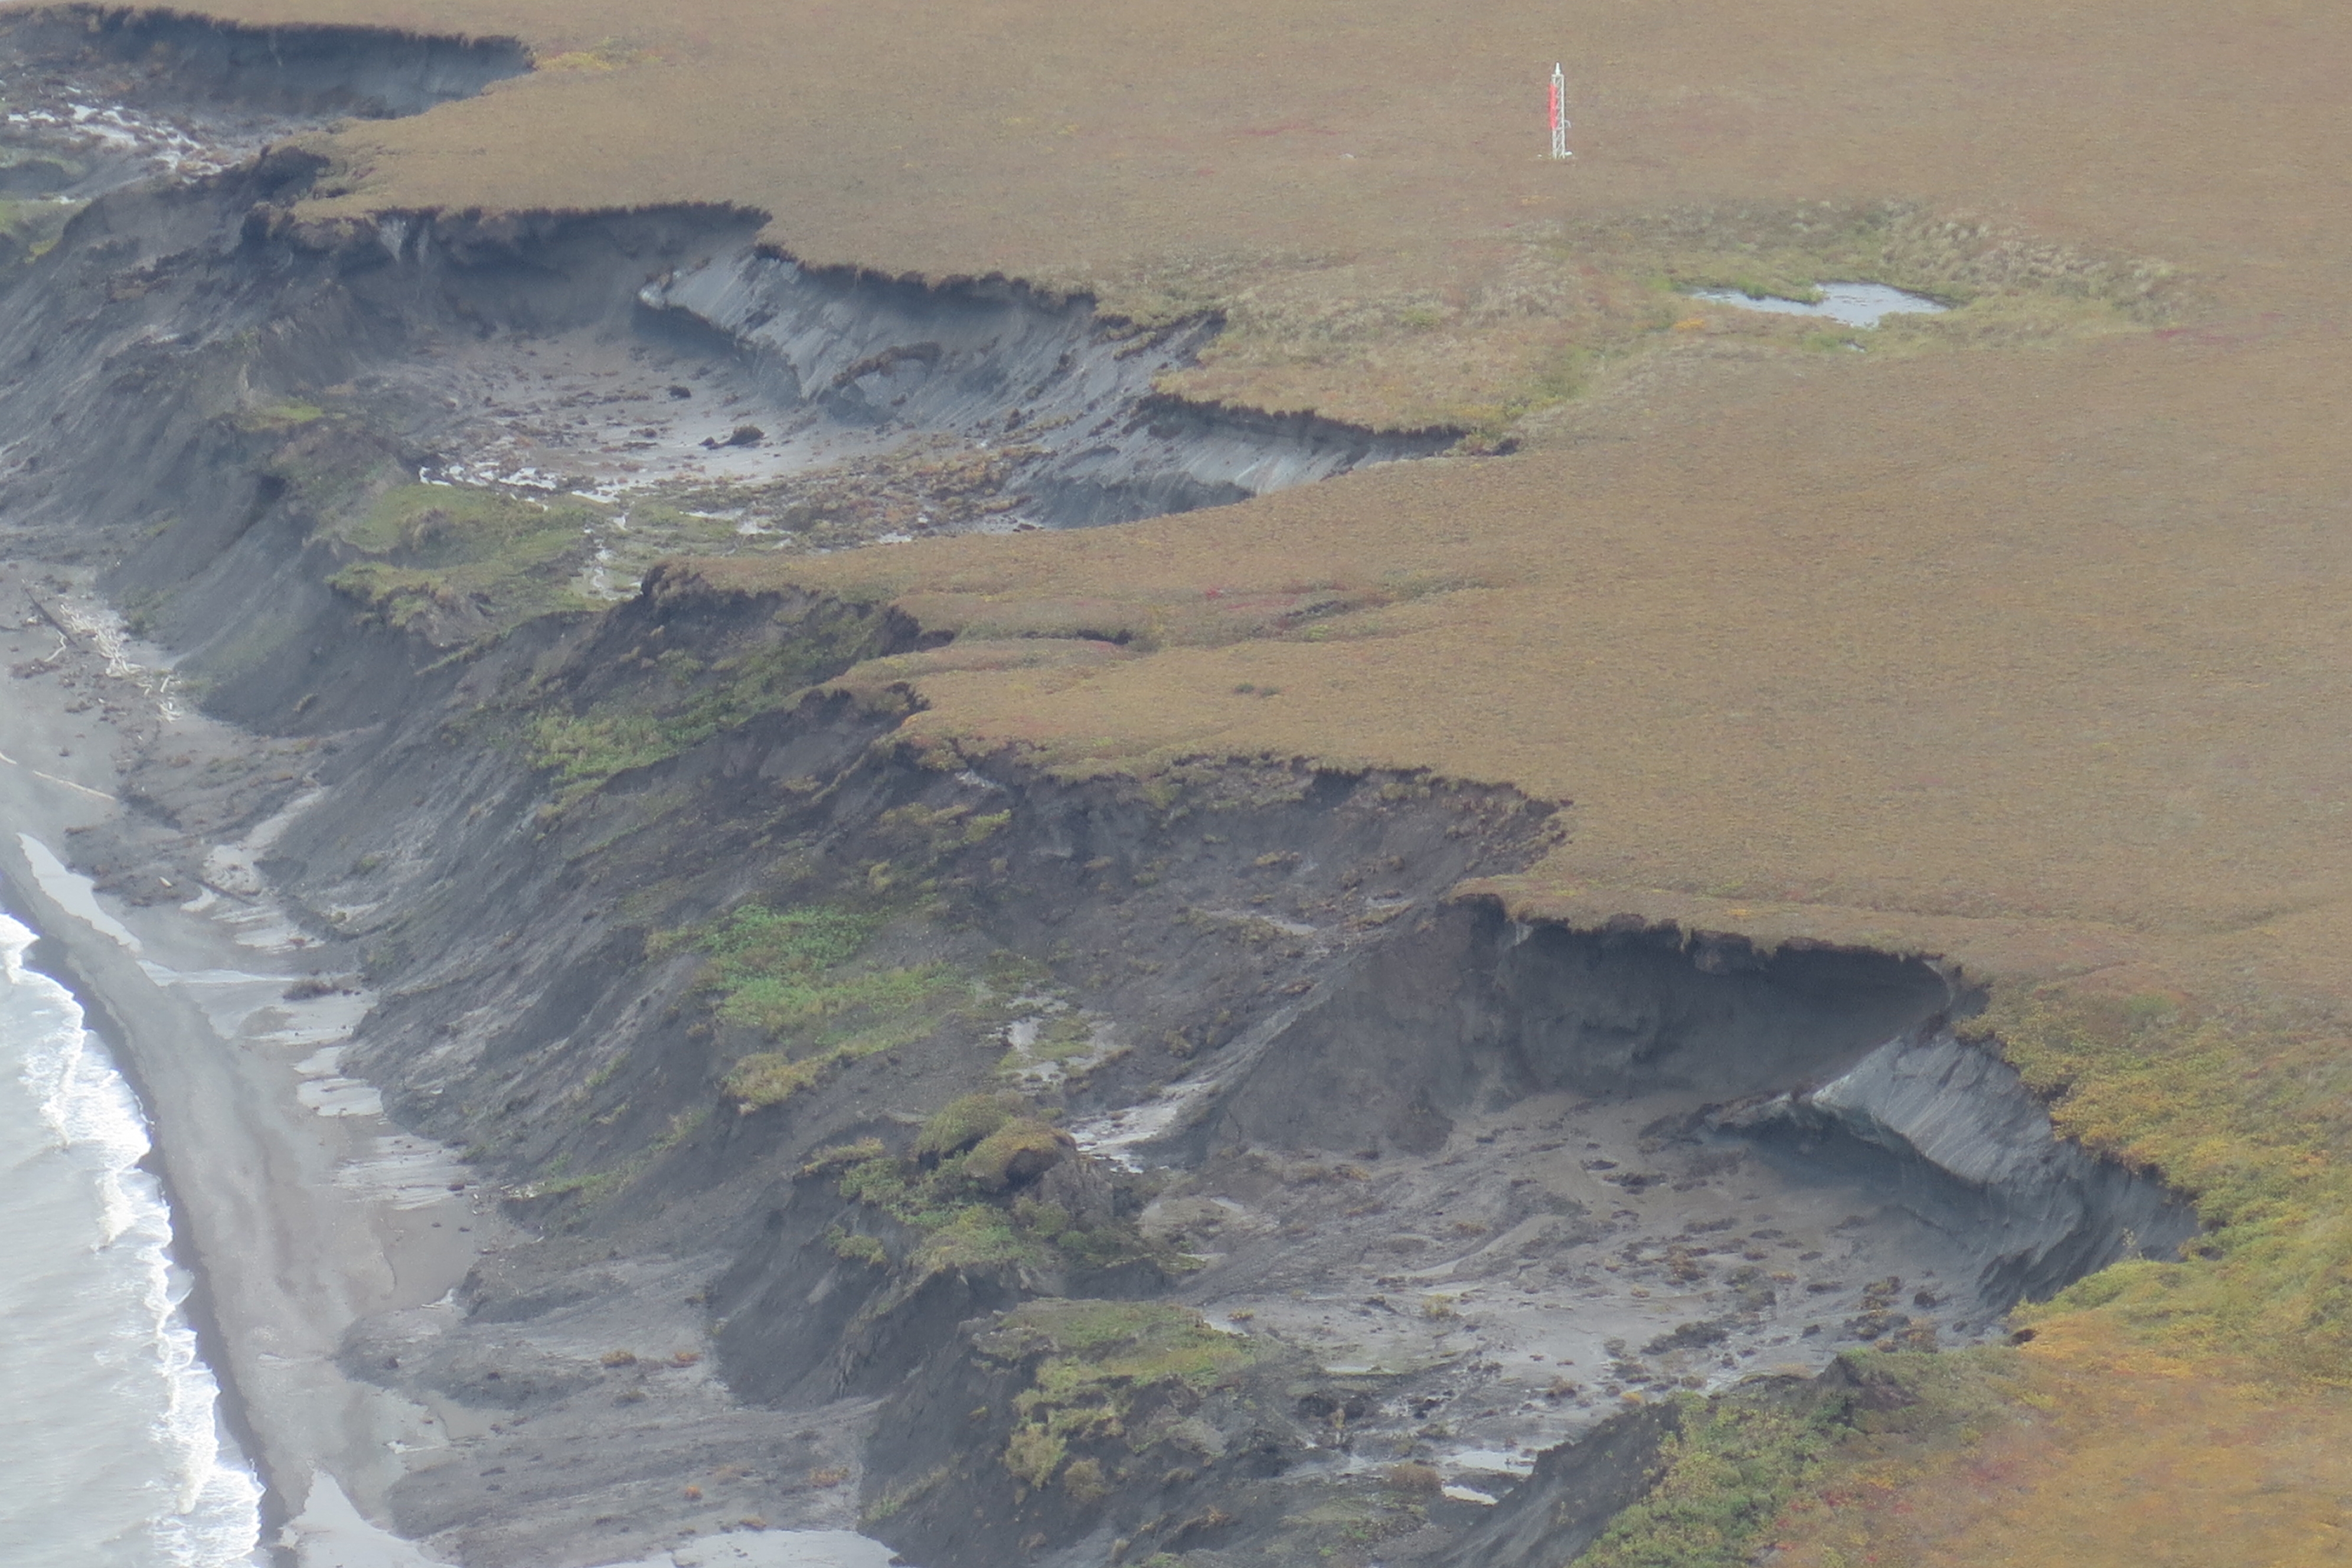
(286, 1246)
(51, 958)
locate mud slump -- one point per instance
(1507, 1178)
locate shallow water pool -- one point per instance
(1854, 304)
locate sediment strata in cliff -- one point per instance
(1070, 393)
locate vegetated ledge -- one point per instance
(2011, 946)
(372, 72)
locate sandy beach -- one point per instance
(298, 1207)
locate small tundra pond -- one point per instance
(1855, 304)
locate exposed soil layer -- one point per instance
(844, 1084)
(318, 70)
(1000, 363)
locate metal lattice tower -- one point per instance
(1560, 114)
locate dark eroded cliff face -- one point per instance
(1068, 1168)
(190, 65)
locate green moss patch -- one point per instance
(1742, 1460)
(776, 967)
(954, 1226)
(961, 1123)
(490, 558)
(693, 701)
(796, 975)
(29, 226)
(1096, 1364)
(287, 414)
(2247, 1112)
(1729, 1473)
(965, 1192)
(1016, 1152)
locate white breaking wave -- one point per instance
(209, 1513)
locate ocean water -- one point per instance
(112, 1452)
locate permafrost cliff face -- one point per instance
(998, 363)
(1948, 1132)
(1176, 1159)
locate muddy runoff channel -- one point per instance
(1005, 1169)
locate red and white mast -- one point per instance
(1560, 114)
